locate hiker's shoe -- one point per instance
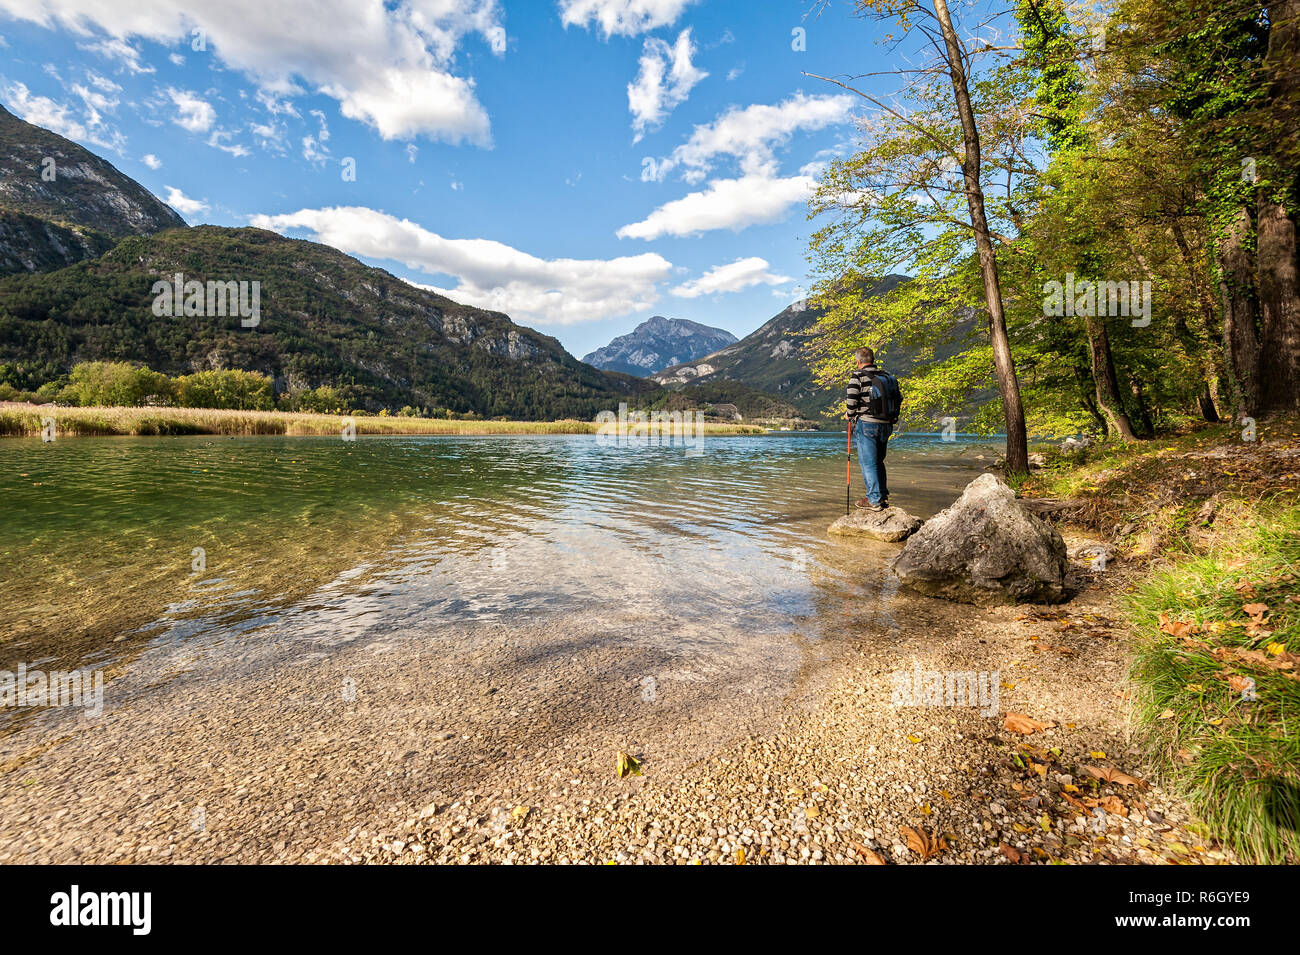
(866, 505)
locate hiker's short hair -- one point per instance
(866, 356)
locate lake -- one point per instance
(117, 553)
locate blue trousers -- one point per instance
(873, 441)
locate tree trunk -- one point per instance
(1284, 83)
(1143, 413)
(1240, 337)
(1089, 403)
(1103, 377)
(1017, 460)
(1279, 310)
(1205, 401)
(1198, 348)
(1278, 288)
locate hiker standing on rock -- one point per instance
(873, 404)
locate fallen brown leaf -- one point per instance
(1074, 802)
(1239, 684)
(1108, 774)
(922, 843)
(1020, 723)
(868, 856)
(1112, 804)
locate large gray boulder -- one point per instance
(891, 524)
(985, 549)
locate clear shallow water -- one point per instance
(326, 541)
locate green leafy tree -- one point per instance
(240, 390)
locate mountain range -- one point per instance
(83, 246)
(325, 319)
(769, 359)
(657, 343)
(60, 203)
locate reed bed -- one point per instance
(26, 420)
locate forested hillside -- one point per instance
(325, 319)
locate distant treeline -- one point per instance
(750, 402)
(123, 384)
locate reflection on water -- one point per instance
(111, 547)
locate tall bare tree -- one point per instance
(935, 22)
(1008, 385)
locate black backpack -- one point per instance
(884, 399)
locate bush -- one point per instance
(115, 383)
(323, 400)
(238, 390)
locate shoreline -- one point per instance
(502, 750)
(18, 420)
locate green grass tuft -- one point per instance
(1216, 701)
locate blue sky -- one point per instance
(578, 164)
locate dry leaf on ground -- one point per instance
(1108, 774)
(626, 765)
(868, 856)
(1020, 723)
(922, 843)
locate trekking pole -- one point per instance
(848, 469)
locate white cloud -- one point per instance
(412, 151)
(102, 82)
(183, 203)
(152, 161)
(815, 168)
(663, 82)
(491, 274)
(217, 140)
(324, 128)
(61, 118)
(726, 204)
(111, 48)
(388, 62)
(750, 134)
(97, 101)
(271, 136)
(312, 151)
(404, 102)
(276, 104)
(176, 58)
(193, 114)
(738, 275)
(624, 17)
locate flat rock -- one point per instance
(891, 524)
(987, 548)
